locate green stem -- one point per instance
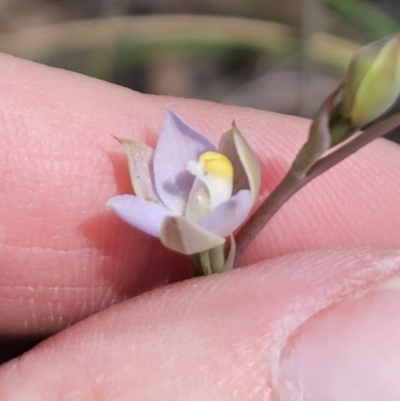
(213, 260)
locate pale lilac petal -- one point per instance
(140, 157)
(178, 144)
(187, 237)
(145, 216)
(229, 215)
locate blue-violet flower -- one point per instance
(189, 193)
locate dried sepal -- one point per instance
(139, 157)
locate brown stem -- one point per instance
(292, 183)
(283, 191)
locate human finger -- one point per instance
(283, 329)
(64, 256)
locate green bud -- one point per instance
(372, 84)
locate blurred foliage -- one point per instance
(280, 55)
(368, 17)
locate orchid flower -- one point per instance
(189, 193)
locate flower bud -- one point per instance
(372, 84)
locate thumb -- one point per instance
(349, 352)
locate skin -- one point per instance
(66, 262)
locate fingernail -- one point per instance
(349, 352)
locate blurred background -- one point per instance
(278, 55)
